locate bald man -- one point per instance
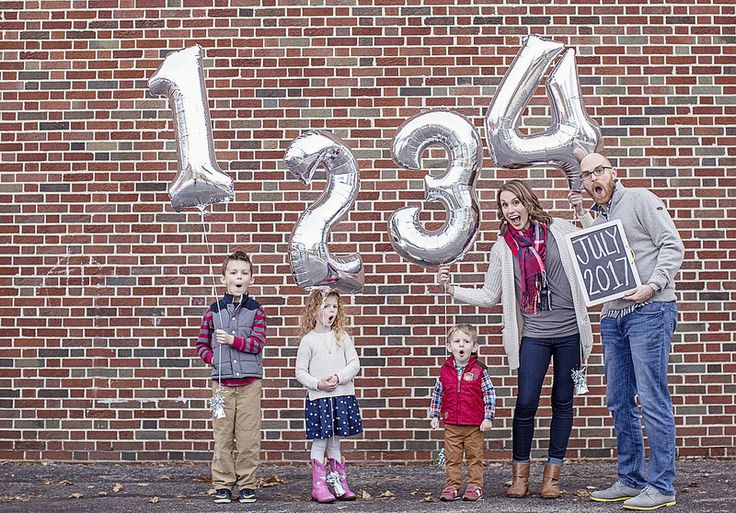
(636, 332)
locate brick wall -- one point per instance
(102, 285)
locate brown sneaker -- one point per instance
(473, 493)
(449, 494)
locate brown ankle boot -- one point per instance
(520, 482)
(551, 481)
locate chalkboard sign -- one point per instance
(603, 261)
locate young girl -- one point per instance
(326, 364)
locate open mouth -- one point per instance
(598, 190)
(461, 353)
(514, 219)
(330, 319)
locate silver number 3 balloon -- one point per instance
(200, 180)
(454, 189)
(311, 261)
(572, 131)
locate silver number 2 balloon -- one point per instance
(454, 189)
(311, 261)
(571, 131)
(200, 181)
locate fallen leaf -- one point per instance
(76, 495)
(179, 495)
(268, 481)
(202, 479)
(48, 482)
(167, 477)
(428, 498)
(117, 487)
(90, 486)
(11, 498)
(591, 487)
(102, 494)
(414, 493)
(142, 484)
(66, 482)
(153, 500)
(364, 495)
(582, 493)
(386, 494)
(692, 485)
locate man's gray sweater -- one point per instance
(658, 248)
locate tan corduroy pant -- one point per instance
(240, 430)
(459, 441)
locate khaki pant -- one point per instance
(467, 440)
(240, 430)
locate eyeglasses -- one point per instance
(598, 171)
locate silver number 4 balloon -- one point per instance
(571, 134)
(200, 181)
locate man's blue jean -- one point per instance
(636, 350)
(534, 358)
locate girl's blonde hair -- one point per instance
(312, 308)
(527, 198)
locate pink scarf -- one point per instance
(530, 250)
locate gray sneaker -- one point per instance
(650, 498)
(617, 492)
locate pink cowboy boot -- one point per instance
(338, 479)
(320, 492)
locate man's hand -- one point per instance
(223, 337)
(575, 199)
(435, 423)
(486, 425)
(640, 294)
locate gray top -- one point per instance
(658, 248)
(499, 286)
(561, 320)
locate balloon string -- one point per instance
(210, 249)
(447, 328)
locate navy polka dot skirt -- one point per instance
(332, 416)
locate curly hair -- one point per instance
(527, 198)
(313, 306)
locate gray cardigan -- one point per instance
(499, 284)
(652, 236)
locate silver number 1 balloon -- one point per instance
(454, 189)
(572, 131)
(200, 180)
(311, 261)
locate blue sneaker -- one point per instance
(223, 496)
(247, 495)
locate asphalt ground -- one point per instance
(701, 485)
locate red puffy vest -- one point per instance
(462, 401)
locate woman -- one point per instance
(544, 317)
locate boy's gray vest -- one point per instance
(237, 320)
